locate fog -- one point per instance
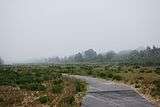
(43, 28)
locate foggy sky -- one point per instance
(42, 28)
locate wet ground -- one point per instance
(102, 93)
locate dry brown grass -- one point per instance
(13, 96)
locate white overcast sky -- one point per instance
(42, 28)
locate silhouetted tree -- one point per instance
(1, 61)
(78, 57)
(109, 55)
(100, 58)
(90, 54)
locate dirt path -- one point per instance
(102, 93)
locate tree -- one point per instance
(70, 59)
(148, 48)
(90, 54)
(109, 55)
(78, 57)
(1, 61)
(100, 58)
(53, 60)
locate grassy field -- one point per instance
(36, 86)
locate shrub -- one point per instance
(119, 68)
(69, 100)
(142, 71)
(148, 71)
(1, 99)
(58, 81)
(137, 85)
(46, 77)
(110, 75)
(107, 67)
(80, 86)
(136, 66)
(157, 71)
(117, 77)
(89, 72)
(58, 88)
(126, 71)
(156, 89)
(130, 69)
(25, 78)
(37, 87)
(33, 87)
(102, 74)
(44, 99)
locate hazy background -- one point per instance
(42, 28)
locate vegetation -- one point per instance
(80, 86)
(58, 88)
(145, 57)
(140, 69)
(44, 99)
(1, 61)
(70, 101)
(145, 78)
(32, 85)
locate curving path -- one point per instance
(102, 93)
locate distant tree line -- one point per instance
(1, 61)
(148, 56)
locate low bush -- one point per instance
(89, 72)
(136, 67)
(43, 99)
(58, 81)
(69, 100)
(107, 67)
(137, 85)
(156, 89)
(117, 77)
(157, 71)
(80, 86)
(102, 74)
(58, 88)
(110, 75)
(1, 99)
(37, 87)
(33, 87)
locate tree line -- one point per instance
(1, 61)
(148, 56)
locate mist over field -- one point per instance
(33, 29)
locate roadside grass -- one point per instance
(145, 79)
(48, 80)
(36, 85)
